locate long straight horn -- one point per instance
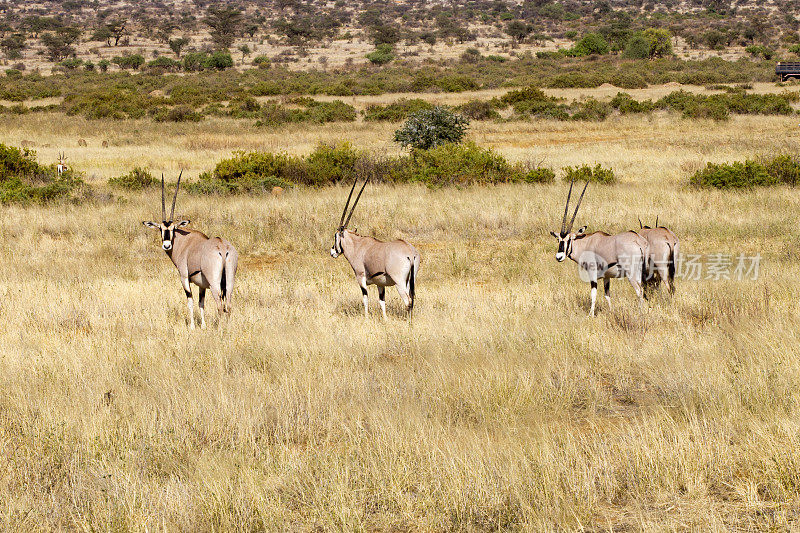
(656, 220)
(355, 203)
(640, 222)
(178, 186)
(566, 208)
(163, 205)
(347, 203)
(571, 222)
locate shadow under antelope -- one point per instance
(208, 263)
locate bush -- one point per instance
(383, 54)
(430, 128)
(24, 180)
(164, 64)
(537, 174)
(460, 164)
(133, 61)
(637, 47)
(179, 113)
(783, 168)
(735, 175)
(478, 110)
(626, 104)
(592, 109)
(396, 111)
(596, 174)
(590, 44)
(262, 62)
(137, 179)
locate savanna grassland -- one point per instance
(502, 407)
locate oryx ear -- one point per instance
(581, 231)
(151, 225)
(182, 223)
(553, 233)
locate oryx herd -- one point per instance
(645, 257)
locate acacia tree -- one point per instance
(224, 23)
(13, 45)
(59, 44)
(116, 28)
(518, 30)
(176, 45)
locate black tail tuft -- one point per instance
(411, 277)
(223, 284)
(671, 265)
(645, 274)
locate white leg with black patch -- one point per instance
(382, 300)
(202, 305)
(594, 297)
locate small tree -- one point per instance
(637, 47)
(430, 128)
(176, 45)
(224, 23)
(660, 41)
(518, 30)
(13, 45)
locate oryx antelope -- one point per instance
(663, 253)
(208, 263)
(62, 166)
(603, 256)
(375, 262)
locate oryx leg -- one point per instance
(202, 305)
(637, 286)
(188, 291)
(402, 290)
(382, 299)
(362, 282)
(607, 290)
(594, 296)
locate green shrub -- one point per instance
(537, 174)
(783, 168)
(108, 103)
(478, 110)
(164, 64)
(24, 180)
(460, 164)
(332, 163)
(396, 111)
(430, 128)
(383, 54)
(133, 61)
(137, 179)
(336, 111)
(179, 113)
(596, 174)
(262, 62)
(590, 44)
(592, 109)
(735, 175)
(626, 104)
(637, 47)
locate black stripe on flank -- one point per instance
(193, 274)
(375, 275)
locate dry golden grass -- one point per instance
(503, 407)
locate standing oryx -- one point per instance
(663, 253)
(208, 263)
(61, 166)
(375, 262)
(600, 255)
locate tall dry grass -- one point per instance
(503, 407)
